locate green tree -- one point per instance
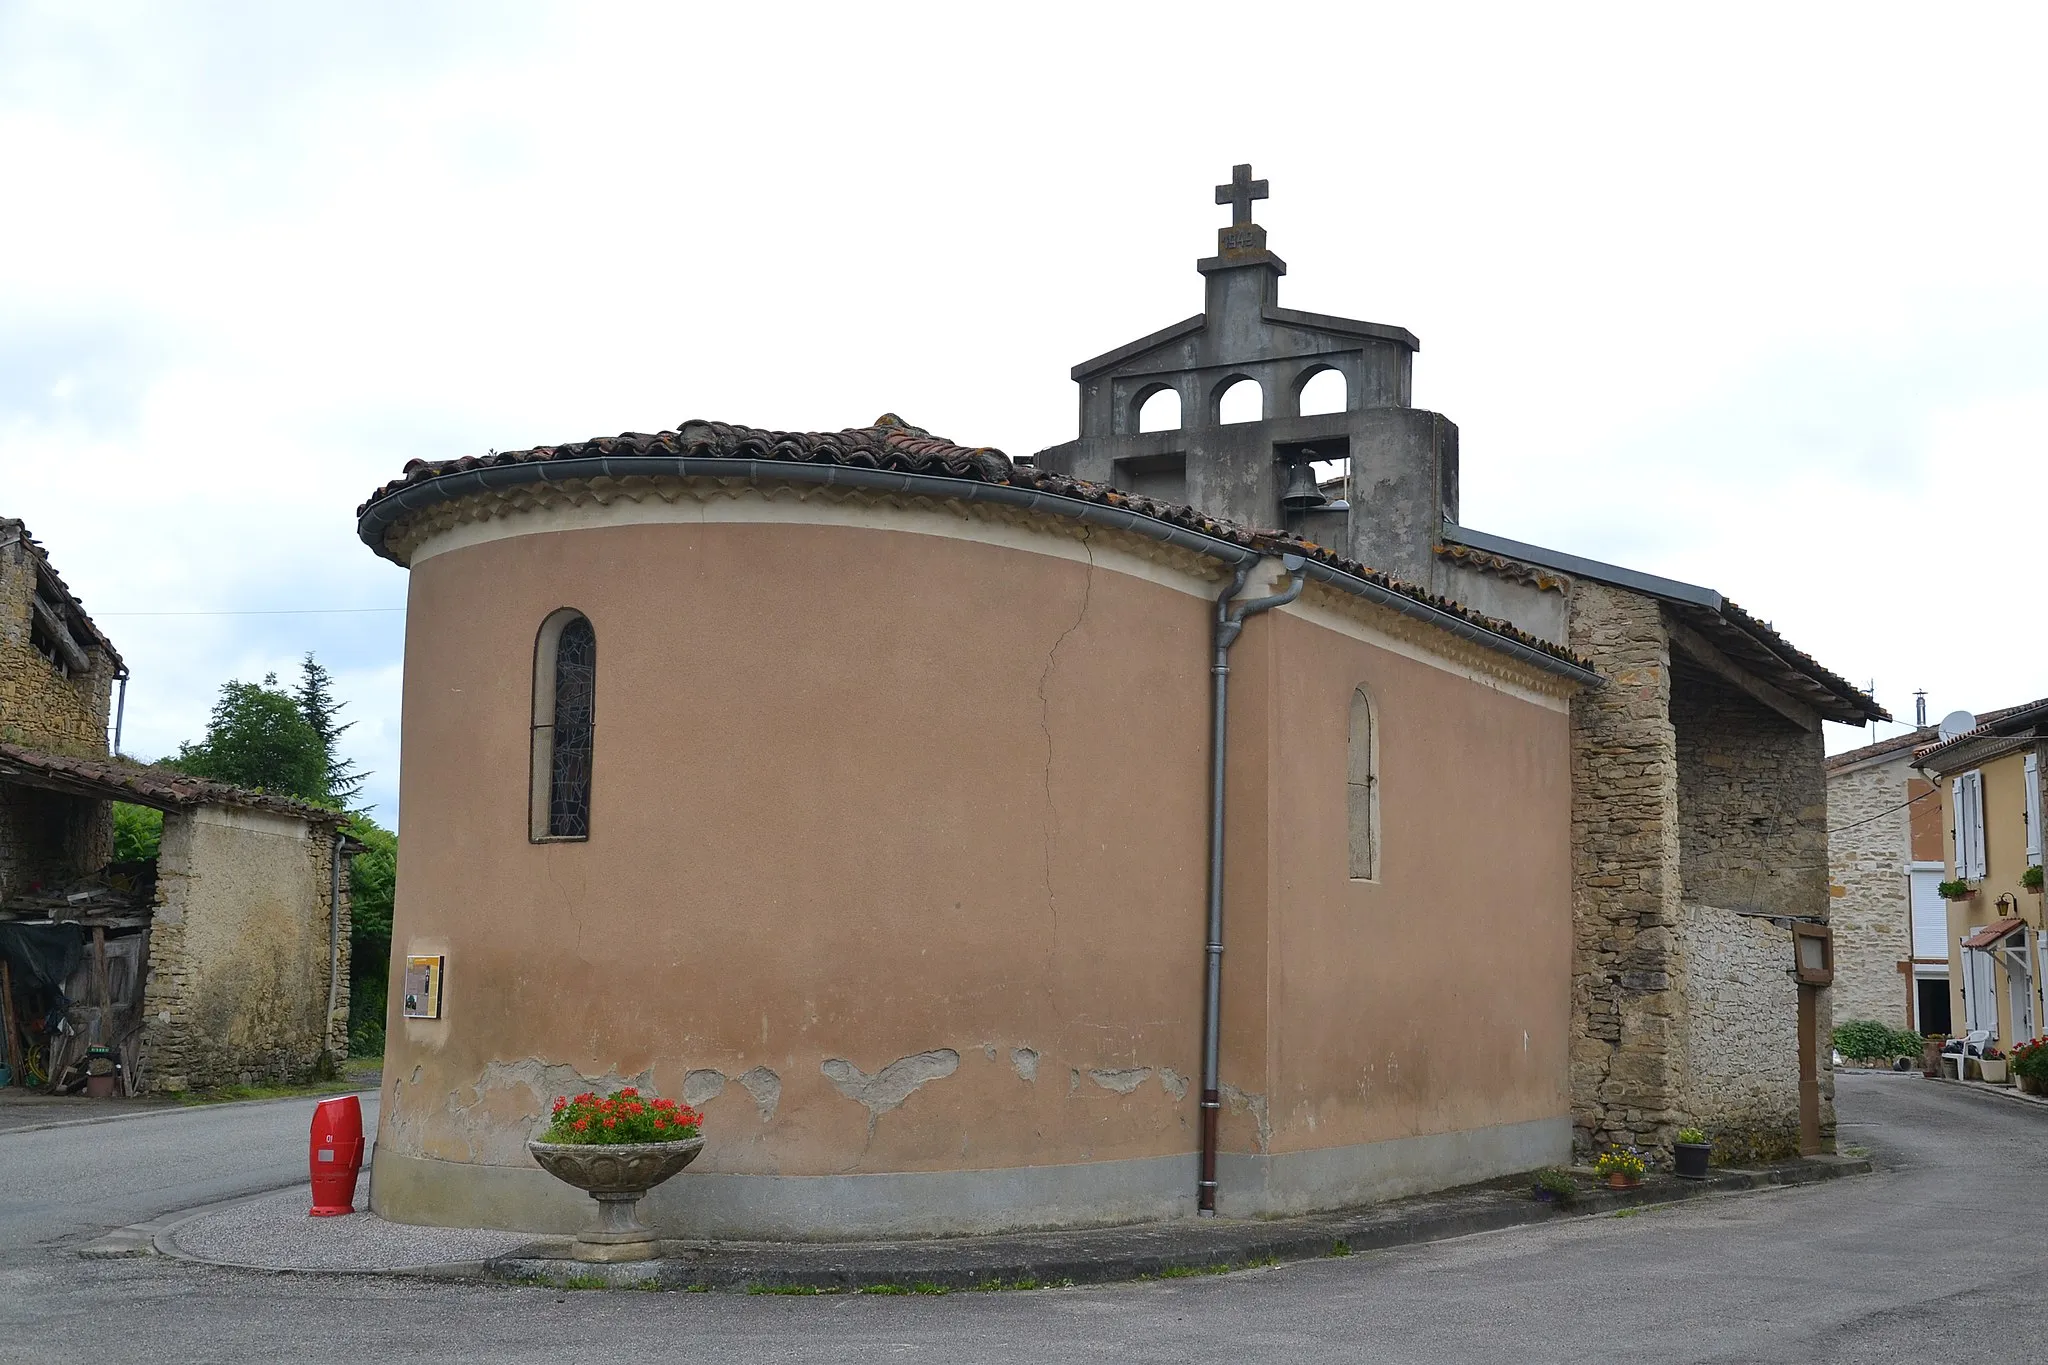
(138, 831)
(372, 878)
(258, 737)
(315, 694)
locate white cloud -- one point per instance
(1750, 295)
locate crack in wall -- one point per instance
(1052, 822)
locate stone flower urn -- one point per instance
(615, 1175)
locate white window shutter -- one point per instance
(1971, 852)
(1969, 990)
(2033, 810)
(1958, 827)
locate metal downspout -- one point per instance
(120, 708)
(1229, 625)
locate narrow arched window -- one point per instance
(564, 726)
(1362, 790)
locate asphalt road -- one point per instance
(1936, 1257)
(67, 1183)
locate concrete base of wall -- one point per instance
(953, 1203)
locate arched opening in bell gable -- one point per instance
(1240, 399)
(1158, 409)
(1321, 391)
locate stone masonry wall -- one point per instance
(39, 706)
(238, 967)
(1869, 842)
(1752, 801)
(47, 836)
(1628, 979)
(1743, 1030)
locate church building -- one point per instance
(1131, 832)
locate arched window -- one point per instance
(1240, 400)
(1159, 410)
(1320, 392)
(1362, 790)
(564, 726)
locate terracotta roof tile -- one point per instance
(893, 444)
(1991, 933)
(118, 780)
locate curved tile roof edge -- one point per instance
(891, 444)
(152, 785)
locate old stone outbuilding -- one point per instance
(223, 960)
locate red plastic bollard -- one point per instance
(337, 1155)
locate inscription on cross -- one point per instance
(1239, 194)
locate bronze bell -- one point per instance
(1301, 493)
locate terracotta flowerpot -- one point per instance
(616, 1175)
(1622, 1180)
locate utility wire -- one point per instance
(268, 611)
(1888, 810)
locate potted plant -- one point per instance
(1690, 1154)
(617, 1148)
(1955, 890)
(2030, 1066)
(1623, 1167)
(2031, 879)
(1990, 1066)
(1553, 1186)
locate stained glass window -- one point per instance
(575, 712)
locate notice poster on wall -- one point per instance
(423, 987)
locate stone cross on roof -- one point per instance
(1239, 194)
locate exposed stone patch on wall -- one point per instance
(238, 954)
(1628, 980)
(1025, 1062)
(702, 1087)
(765, 1087)
(1121, 1080)
(893, 1084)
(1869, 847)
(490, 1119)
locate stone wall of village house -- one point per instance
(1868, 842)
(47, 836)
(39, 706)
(1752, 805)
(238, 954)
(1743, 1037)
(1628, 977)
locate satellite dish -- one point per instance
(1956, 723)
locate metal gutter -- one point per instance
(379, 516)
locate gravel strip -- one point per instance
(274, 1232)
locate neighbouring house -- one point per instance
(1886, 858)
(1991, 776)
(224, 959)
(857, 786)
(1699, 798)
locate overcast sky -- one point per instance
(1755, 298)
